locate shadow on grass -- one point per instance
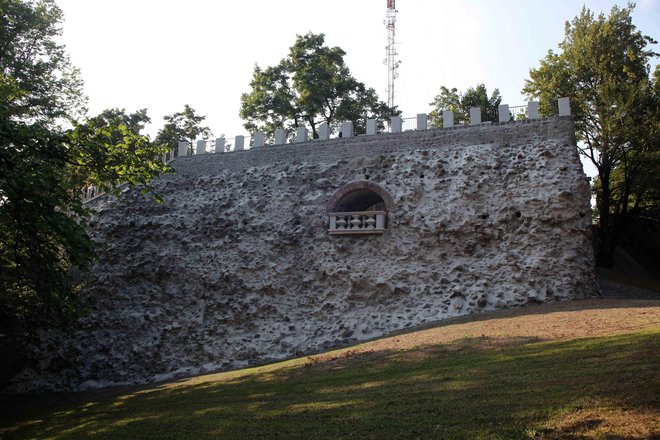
(471, 389)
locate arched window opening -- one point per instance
(359, 208)
(362, 200)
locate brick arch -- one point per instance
(359, 185)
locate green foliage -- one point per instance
(310, 86)
(43, 165)
(115, 152)
(603, 67)
(182, 126)
(460, 104)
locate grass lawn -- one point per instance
(480, 385)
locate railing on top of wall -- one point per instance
(396, 124)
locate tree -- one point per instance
(115, 152)
(460, 104)
(43, 233)
(603, 66)
(182, 126)
(310, 86)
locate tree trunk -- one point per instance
(604, 256)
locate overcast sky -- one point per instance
(160, 54)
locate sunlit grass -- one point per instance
(456, 390)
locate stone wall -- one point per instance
(237, 266)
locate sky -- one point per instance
(161, 54)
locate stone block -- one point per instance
(371, 126)
(239, 143)
(532, 110)
(422, 121)
(447, 119)
(475, 116)
(258, 139)
(201, 147)
(324, 131)
(301, 135)
(280, 136)
(503, 112)
(220, 145)
(564, 107)
(347, 129)
(183, 149)
(396, 124)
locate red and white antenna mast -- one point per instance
(391, 60)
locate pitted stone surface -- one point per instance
(237, 266)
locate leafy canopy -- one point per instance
(310, 86)
(603, 66)
(44, 163)
(461, 103)
(182, 126)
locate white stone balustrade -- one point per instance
(364, 222)
(347, 129)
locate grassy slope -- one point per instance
(495, 377)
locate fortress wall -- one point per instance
(336, 149)
(237, 266)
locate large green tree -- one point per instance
(43, 164)
(461, 103)
(310, 86)
(185, 126)
(603, 66)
